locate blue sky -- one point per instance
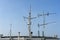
(12, 12)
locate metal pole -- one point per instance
(10, 31)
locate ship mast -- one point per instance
(10, 31)
(44, 15)
(29, 22)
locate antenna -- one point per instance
(44, 20)
(10, 31)
(29, 22)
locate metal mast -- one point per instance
(10, 31)
(44, 21)
(29, 23)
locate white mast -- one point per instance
(29, 23)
